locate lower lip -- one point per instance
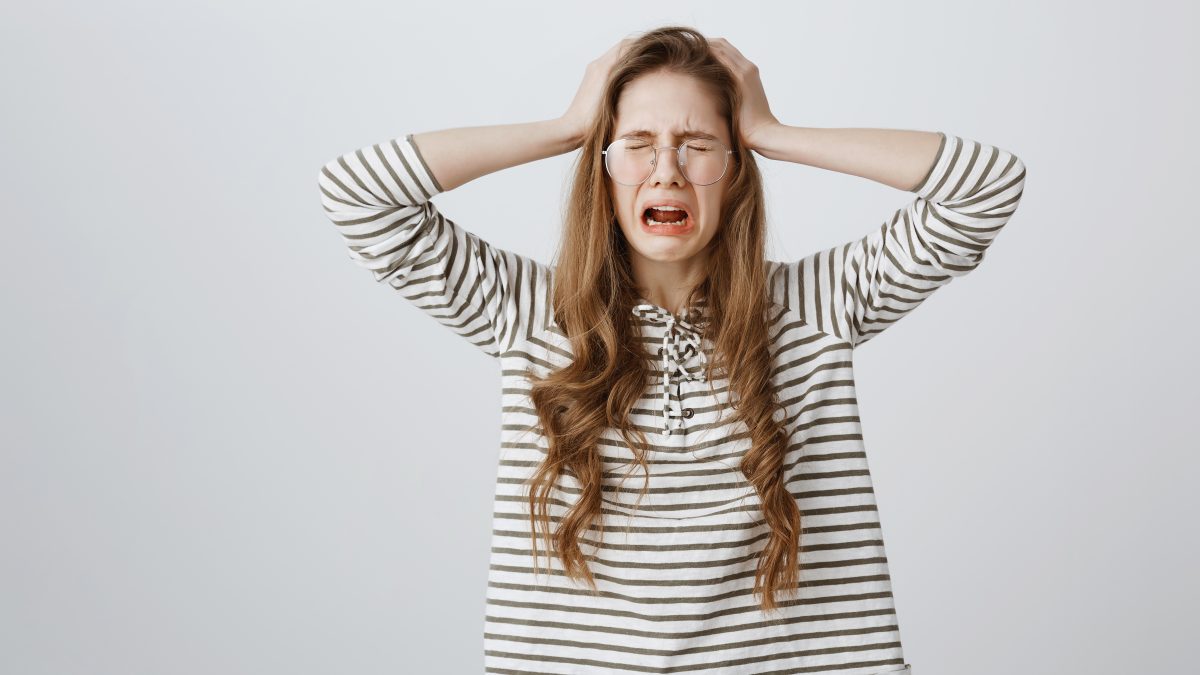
(687, 227)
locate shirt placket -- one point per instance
(680, 340)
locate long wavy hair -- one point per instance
(592, 299)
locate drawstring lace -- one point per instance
(681, 341)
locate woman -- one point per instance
(662, 342)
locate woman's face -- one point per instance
(669, 107)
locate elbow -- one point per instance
(325, 175)
(1009, 186)
(1017, 182)
(328, 186)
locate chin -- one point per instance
(664, 251)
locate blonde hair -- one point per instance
(592, 298)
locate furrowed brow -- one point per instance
(687, 133)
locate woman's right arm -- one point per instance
(458, 156)
(378, 198)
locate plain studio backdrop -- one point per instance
(227, 450)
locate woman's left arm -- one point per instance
(895, 157)
(966, 191)
(965, 194)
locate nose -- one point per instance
(666, 167)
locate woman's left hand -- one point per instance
(755, 116)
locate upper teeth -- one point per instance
(665, 208)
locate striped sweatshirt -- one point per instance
(675, 572)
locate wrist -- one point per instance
(567, 134)
(766, 139)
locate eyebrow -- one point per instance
(687, 133)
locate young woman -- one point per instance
(663, 343)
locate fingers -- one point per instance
(722, 48)
(730, 56)
(726, 44)
(725, 57)
(614, 52)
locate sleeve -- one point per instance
(856, 290)
(378, 198)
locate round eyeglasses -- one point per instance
(630, 161)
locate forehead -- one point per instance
(670, 106)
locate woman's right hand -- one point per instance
(582, 112)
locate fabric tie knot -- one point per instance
(681, 342)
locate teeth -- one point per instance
(678, 223)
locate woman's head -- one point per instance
(666, 87)
(667, 82)
(665, 109)
(669, 87)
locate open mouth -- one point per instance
(666, 217)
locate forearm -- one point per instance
(899, 158)
(460, 155)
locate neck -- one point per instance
(668, 283)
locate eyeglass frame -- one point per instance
(678, 160)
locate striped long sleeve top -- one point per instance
(675, 572)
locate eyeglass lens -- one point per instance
(630, 160)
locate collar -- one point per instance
(681, 344)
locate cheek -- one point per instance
(622, 208)
(621, 199)
(712, 212)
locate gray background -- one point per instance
(225, 450)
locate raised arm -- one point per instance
(458, 156)
(898, 158)
(966, 191)
(378, 197)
